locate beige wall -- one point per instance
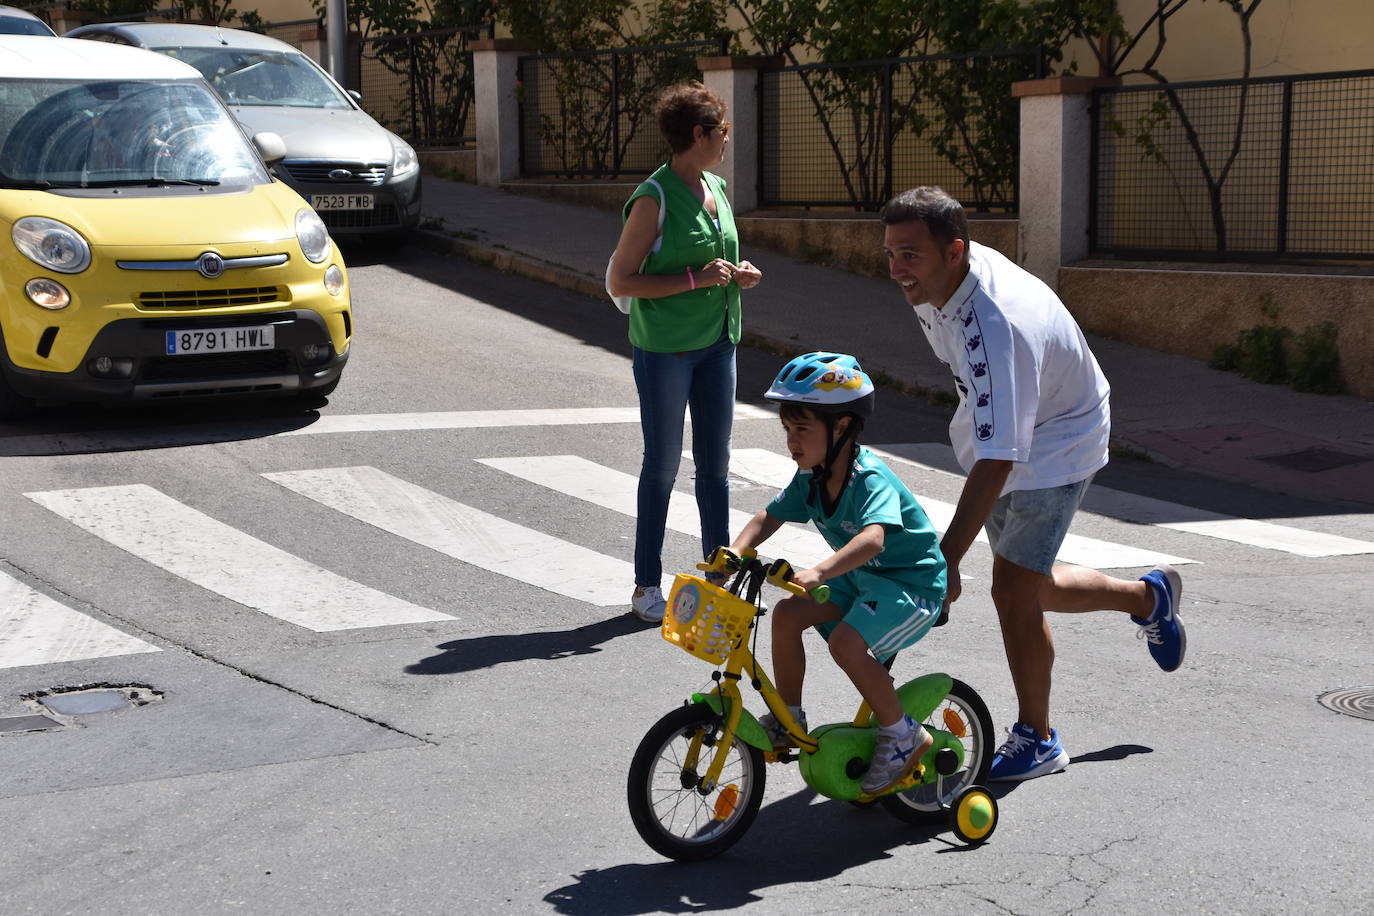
(1289, 36)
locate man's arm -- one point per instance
(981, 489)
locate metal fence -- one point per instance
(1278, 168)
(849, 135)
(587, 114)
(420, 84)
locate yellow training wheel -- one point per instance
(973, 815)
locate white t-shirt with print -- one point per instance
(1030, 390)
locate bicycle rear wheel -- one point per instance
(927, 802)
(667, 808)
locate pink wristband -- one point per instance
(691, 278)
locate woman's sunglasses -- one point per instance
(723, 127)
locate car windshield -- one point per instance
(246, 77)
(68, 133)
(14, 25)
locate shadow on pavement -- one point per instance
(488, 651)
(1108, 754)
(792, 842)
(88, 429)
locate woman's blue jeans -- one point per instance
(704, 381)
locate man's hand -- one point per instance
(953, 587)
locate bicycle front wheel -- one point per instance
(961, 711)
(666, 804)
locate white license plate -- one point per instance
(220, 340)
(341, 201)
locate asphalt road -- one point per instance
(470, 755)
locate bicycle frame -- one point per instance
(919, 698)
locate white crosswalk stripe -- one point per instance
(1146, 510)
(464, 533)
(36, 630)
(157, 528)
(483, 419)
(617, 491)
(775, 470)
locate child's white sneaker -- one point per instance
(650, 605)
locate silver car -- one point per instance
(360, 177)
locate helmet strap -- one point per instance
(820, 474)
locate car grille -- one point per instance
(218, 365)
(372, 173)
(208, 298)
(384, 215)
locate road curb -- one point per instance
(512, 262)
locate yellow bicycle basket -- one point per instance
(705, 619)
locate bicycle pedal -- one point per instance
(779, 757)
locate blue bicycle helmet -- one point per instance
(825, 381)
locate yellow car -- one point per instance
(146, 253)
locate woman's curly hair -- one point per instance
(682, 107)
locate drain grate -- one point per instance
(27, 723)
(1351, 701)
(1314, 460)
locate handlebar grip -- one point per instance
(780, 574)
(722, 560)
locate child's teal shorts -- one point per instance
(887, 614)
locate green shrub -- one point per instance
(1316, 361)
(1259, 353)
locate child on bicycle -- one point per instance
(886, 577)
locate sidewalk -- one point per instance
(1175, 411)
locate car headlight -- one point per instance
(54, 245)
(312, 235)
(405, 162)
(334, 280)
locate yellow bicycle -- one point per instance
(696, 781)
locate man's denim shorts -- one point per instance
(1027, 527)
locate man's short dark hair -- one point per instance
(943, 215)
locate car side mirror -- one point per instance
(357, 96)
(271, 147)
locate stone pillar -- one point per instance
(1056, 143)
(736, 80)
(498, 107)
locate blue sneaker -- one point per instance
(1025, 756)
(1163, 628)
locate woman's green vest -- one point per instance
(693, 319)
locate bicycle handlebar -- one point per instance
(778, 573)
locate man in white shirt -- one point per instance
(1031, 430)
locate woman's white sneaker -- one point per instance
(650, 605)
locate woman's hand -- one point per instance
(718, 272)
(747, 275)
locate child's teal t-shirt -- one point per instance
(874, 496)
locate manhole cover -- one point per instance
(92, 699)
(1352, 701)
(1314, 460)
(86, 702)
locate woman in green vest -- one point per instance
(684, 325)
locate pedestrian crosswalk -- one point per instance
(219, 558)
(170, 537)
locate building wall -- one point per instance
(1289, 36)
